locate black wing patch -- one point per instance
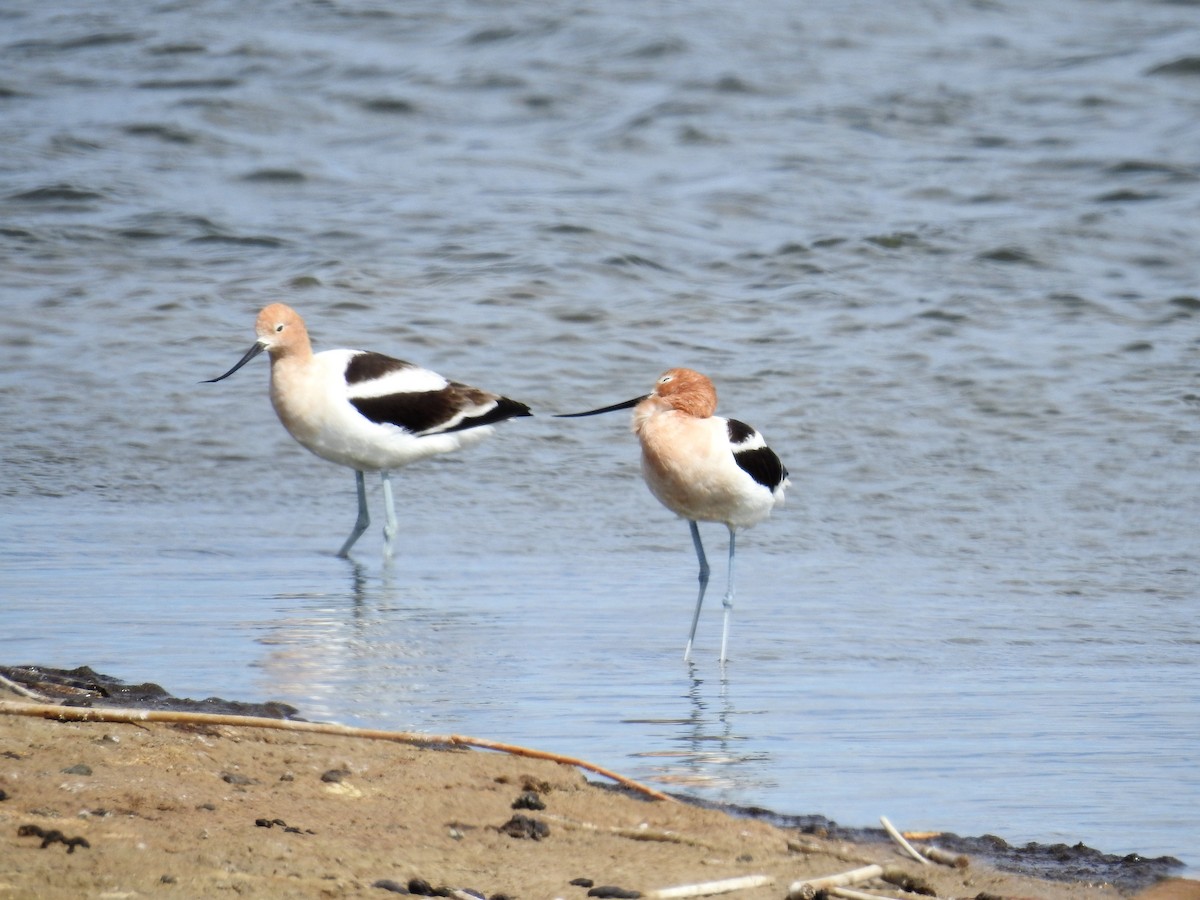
(367, 366)
(762, 465)
(739, 432)
(756, 460)
(504, 409)
(421, 412)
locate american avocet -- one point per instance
(703, 467)
(365, 410)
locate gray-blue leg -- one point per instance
(727, 602)
(391, 526)
(687, 651)
(363, 518)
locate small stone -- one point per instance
(529, 800)
(78, 769)
(167, 879)
(525, 827)
(615, 893)
(235, 778)
(335, 776)
(582, 882)
(420, 887)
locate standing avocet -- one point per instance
(703, 467)
(365, 410)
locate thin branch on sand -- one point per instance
(807, 889)
(708, 888)
(945, 857)
(851, 894)
(17, 688)
(140, 716)
(899, 839)
(634, 834)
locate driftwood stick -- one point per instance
(851, 894)
(138, 716)
(899, 839)
(806, 890)
(945, 857)
(633, 834)
(17, 688)
(910, 884)
(708, 888)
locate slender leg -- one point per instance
(363, 518)
(687, 651)
(727, 602)
(391, 526)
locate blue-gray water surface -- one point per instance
(943, 254)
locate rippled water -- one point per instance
(942, 254)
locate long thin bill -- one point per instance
(595, 412)
(250, 354)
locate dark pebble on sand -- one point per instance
(525, 827)
(78, 769)
(335, 776)
(607, 890)
(582, 882)
(234, 778)
(529, 800)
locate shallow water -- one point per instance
(943, 255)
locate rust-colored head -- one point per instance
(281, 331)
(687, 391)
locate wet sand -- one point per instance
(94, 809)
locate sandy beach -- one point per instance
(106, 809)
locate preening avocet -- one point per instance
(703, 467)
(365, 410)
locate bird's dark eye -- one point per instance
(664, 379)
(279, 328)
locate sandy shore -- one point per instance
(95, 809)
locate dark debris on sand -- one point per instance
(1056, 862)
(84, 687)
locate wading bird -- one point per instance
(365, 410)
(703, 467)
